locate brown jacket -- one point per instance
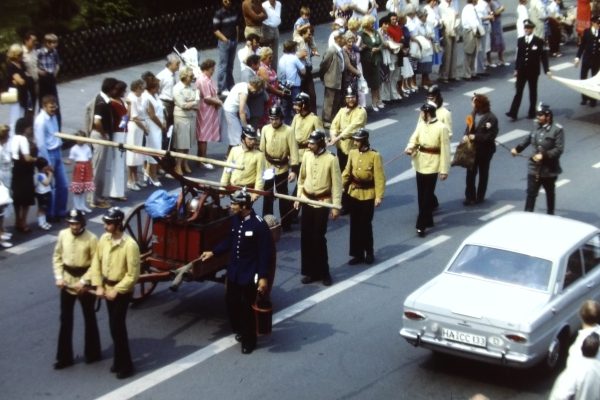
(330, 70)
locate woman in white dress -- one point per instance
(136, 130)
(522, 15)
(186, 99)
(156, 127)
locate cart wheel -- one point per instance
(138, 224)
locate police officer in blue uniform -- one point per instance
(589, 48)
(249, 243)
(548, 141)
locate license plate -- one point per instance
(463, 337)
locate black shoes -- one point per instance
(356, 260)
(247, 349)
(369, 259)
(327, 280)
(238, 337)
(62, 364)
(309, 279)
(91, 360)
(479, 201)
(512, 117)
(421, 233)
(112, 369)
(468, 202)
(124, 374)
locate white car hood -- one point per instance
(477, 300)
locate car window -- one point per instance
(591, 253)
(574, 269)
(503, 266)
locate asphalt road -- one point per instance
(340, 342)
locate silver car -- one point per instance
(511, 293)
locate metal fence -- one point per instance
(93, 51)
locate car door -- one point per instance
(591, 260)
(571, 293)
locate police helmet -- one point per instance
(302, 99)
(528, 24)
(429, 108)
(241, 196)
(361, 134)
(543, 109)
(76, 217)
(316, 136)
(114, 215)
(275, 112)
(433, 91)
(351, 91)
(249, 132)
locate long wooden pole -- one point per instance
(157, 152)
(281, 196)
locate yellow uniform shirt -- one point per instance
(118, 262)
(320, 174)
(345, 124)
(364, 169)
(302, 128)
(279, 144)
(254, 166)
(443, 115)
(74, 252)
(434, 135)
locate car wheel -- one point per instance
(557, 353)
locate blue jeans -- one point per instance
(225, 66)
(287, 106)
(60, 185)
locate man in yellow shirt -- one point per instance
(364, 181)
(278, 144)
(251, 158)
(347, 121)
(73, 254)
(115, 271)
(429, 146)
(320, 180)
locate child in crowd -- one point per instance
(301, 23)
(83, 175)
(43, 191)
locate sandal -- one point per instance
(45, 227)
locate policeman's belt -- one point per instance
(303, 145)
(277, 161)
(360, 184)
(317, 197)
(76, 272)
(428, 150)
(109, 282)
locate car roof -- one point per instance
(539, 235)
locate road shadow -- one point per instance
(285, 338)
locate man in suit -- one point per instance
(530, 51)
(590, 49)
(331, 70)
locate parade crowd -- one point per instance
(269, 120)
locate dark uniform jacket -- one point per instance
(529, 56)
(249, 244)
(485, 134)
(550, 141)
(590, 48)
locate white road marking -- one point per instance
(32, 244)
(380, 124)
(410, 173)
(497, 212)
(558, 184)
(482, 90)
(512, 80)
(160, 375)
(98, 219)
(596, 165)
(562, 66)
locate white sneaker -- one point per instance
(5, 244)
(133, 186)
(375, 108)
(208, 166)
(6, 236)
(225, 93)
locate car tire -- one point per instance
(556, 354)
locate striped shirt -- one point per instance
(48, 60)
(226, 22)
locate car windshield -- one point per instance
(503, 266)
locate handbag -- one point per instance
(5, 198)
(480, 32)
(464, 155)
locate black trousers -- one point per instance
(47, 85)
(343, 161)
(586, 67)
(533, 188)
(295, 213)
(361, 227)
(313, 244)
(239, 300)
(285, 206)
(307, 85)
(481, 166)
(532, 81)
(65, 336)
(426, 199)
(117, 313)
(169, 106)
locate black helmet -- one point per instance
(241, 196)
(351, 91)
(433, 91)
(275, 111)
(249, 132)
(429, 108)
(316, 136)
(361, 134)
(76, 217)
(543, 109)
(302, 99)
(528, 24)
(114, 215)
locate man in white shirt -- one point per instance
(270, 28)
(252, 47)
(470, 24)
(30, 59)
(168, 78)
(485, 16)
(589, 314)
(538, 15)
(581, 380)
(449, 56)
